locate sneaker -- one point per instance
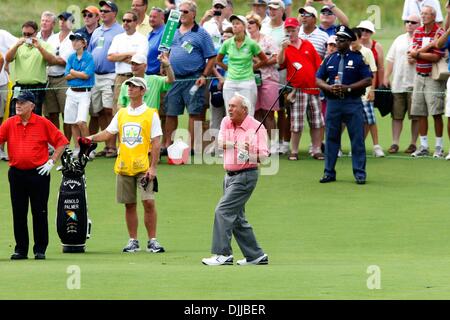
(3, 155)
(263, 260)
(421, 152)
(378, 151)
(438, 152)
(132, 246)
(448, 156)
(218, 260)
(154, 246)
(284, 148)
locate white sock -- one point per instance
(439, 142)
(152, 239)
(424, 141)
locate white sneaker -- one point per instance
(448, 156)
(420, 152)
(284, 148)
(263, 260)
(218, 260)
(3, 155)
(438, 152)
(378, 151)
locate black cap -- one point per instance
(26, 96)
(66, 16)
(345, 32)
(78, 36)
(110, 4)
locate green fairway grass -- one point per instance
(320, 239)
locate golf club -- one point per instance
(297, 67)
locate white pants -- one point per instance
(246, 88)
(77, 106)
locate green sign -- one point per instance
(169, 30)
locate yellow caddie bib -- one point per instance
(134, 142)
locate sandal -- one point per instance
(111, 153)
(101, 153)
(293, 157)
(393, 149)
(319, 156)
(411, 148)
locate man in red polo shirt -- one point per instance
(296, 50)
(27, 136)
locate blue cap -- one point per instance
(110, 4)
(26, 96)
(78, 36)
(66, 16)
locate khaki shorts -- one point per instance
(102, 93)
(55, 96)
(428, 97)
(117, 86)
(126, 189)
(402, 105)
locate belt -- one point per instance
(233, 173)
(81, 89)
(55, 77)
(423, 74)
(103, 73)
(125, 74)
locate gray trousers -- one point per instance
(230, 217)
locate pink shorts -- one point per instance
(267, 93)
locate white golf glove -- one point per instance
(46, 168)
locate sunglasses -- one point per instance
(306, 15)
(89, 15)
(28, 35)
(184, 11)
(218, 6)
(127, 20)
(105, 11)
(251, 22)
(411, 22)
(327, 13)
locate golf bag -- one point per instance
(72, 219)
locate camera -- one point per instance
(29, 41)
(217, 13)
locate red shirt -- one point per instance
(307, 56)
(425, 66)
(28, 145)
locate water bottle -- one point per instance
(193, 89)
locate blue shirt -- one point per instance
(86, 65)
(100, 51)
(287, 2)
(154, 39)
(331, 31)
(355, 69)
(86, 33)
(190, 51)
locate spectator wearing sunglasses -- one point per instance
(329, 14)
(411, 7)
(403, 72)
(91, 18)
(214, 22)
(309, 31)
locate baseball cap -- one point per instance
(308, 9)
(137, 81)
(366, 24)
(331, 40)
(240, 18)
(65, 15)
(110, 4)
(221, 2)
(291, 22)
(26, 96)
(276, 4)
(78, 36)
(91, 9)
(259, 2)
(139, 58)
(346, 32)
(326, 8)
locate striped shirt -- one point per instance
(318, 38)
(422, 39)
